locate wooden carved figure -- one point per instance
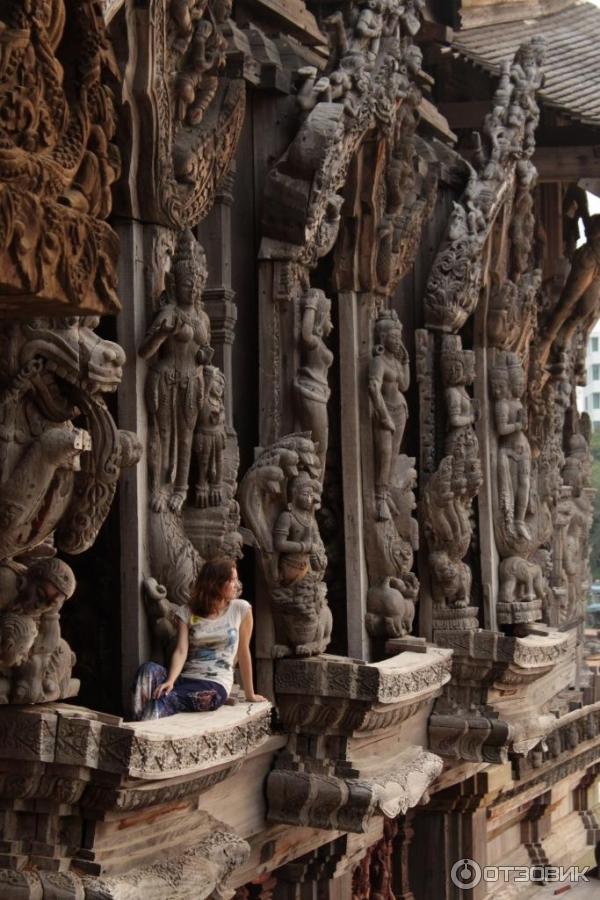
(35, 661)
(310, 385)
(389, 377)
(210, 439)
(514, 453)
(176, 346)
(458, 371)
(294, 534)
(279, 495)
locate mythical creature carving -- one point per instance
(390, 546)
(58, 159)
(310, 385)
(522, 590)
(448, 496)
(57, 482)
(35, 662)
(446, 518)
(389, 378)
(196, 113)
(279, 495)
(502, 158)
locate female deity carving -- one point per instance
(177, 346)
(514, 453)
(310, 385)
(389, 377)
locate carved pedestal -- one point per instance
(111, 809)
(349, 757)
(502, 694)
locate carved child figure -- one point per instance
(210, 439)
(389, 377)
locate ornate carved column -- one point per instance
(184, 119)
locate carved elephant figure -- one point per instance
(520, 580)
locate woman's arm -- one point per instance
(178, 659)
(245, 661)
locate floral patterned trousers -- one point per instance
(188, 694)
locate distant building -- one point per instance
(589, 396)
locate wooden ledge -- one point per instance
(162, 748)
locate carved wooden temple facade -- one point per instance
(297, 283)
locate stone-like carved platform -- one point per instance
(501, 693)
(371, 758)
(111, 800)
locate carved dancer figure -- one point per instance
(212, 632)
(177, 346)
(514, 453)
(389, 377)
(210, 439)
(310, 385)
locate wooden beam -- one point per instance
(469, 114)
(436, 122)
(567, 163)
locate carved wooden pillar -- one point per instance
(214, 233)
(135, 637)
(354, 403)
(401, 865)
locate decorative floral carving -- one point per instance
(195, 114)
(57, 160)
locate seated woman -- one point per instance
(215, 628)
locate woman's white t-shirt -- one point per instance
(213, 643)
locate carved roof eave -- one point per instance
(208, 147)
(318, 159)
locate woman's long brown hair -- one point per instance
(208, 590)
